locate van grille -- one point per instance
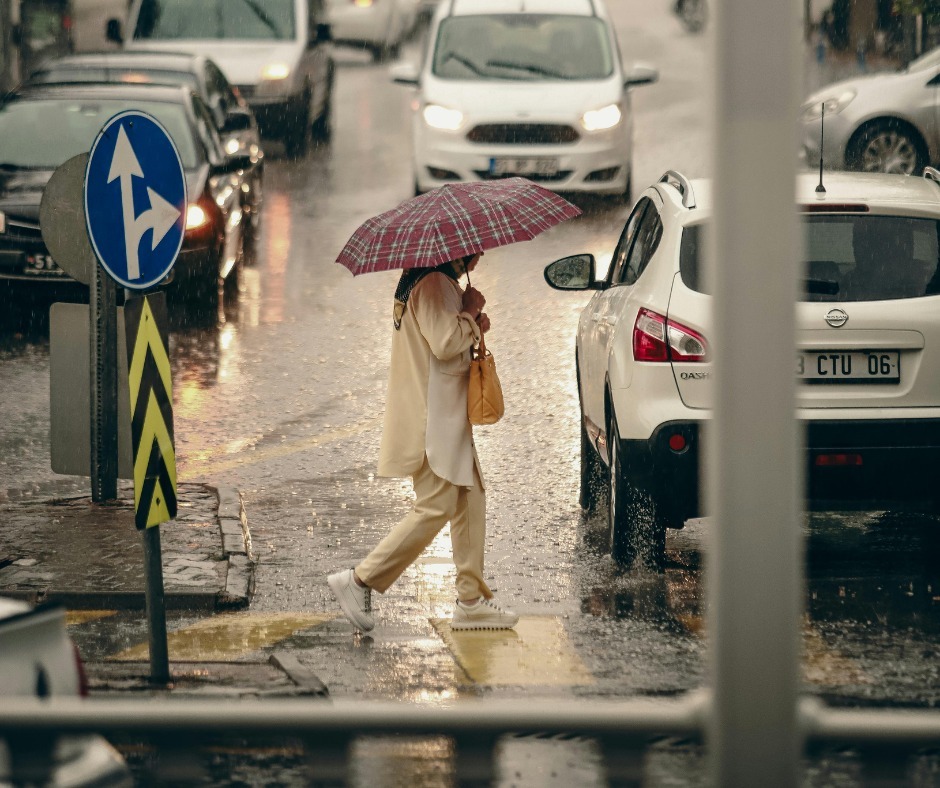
(523, 134)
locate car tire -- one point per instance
(887, 146)
(298, 134)
(637, 535)
(323, 125)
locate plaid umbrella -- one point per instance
(452, 221)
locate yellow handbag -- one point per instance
(485, 396)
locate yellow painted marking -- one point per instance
(205, 464)
(821, 664)
(536, 653)
(228, 636)
(75, 617)
(148, 334)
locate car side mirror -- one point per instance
(324, 33)
(404, 74)
(573, 273)
(641, 74)
(238, 119)
(112, 31)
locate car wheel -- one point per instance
(887, 146)
(636, 533)
(298, 134)
(323, 125)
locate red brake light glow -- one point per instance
(657, 339)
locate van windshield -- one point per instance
(256, 20)
(851, 258)
(532, 47)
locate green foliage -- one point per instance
(929, 8)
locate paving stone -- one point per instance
(71, 548)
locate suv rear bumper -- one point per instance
(850, 464)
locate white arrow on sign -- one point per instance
(159, 217)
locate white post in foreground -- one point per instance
(754, 568)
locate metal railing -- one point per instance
(623, 730)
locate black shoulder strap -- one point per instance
(406, 284)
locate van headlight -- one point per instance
(438, 117)
(812, 110)
(603, 118)
(275, 71)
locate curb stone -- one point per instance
(236, 548)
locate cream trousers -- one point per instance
(437, 502)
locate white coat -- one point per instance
(426, 406)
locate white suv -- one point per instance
(523, 88)
(867, 353)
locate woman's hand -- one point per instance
(473, 302)
(483, 321)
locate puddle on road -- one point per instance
(228, 636)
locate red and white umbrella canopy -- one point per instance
(452, 221)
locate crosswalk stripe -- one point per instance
(536, 653)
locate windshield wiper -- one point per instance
(463, 61)
(529, 67)
(264, 18)
(820, 287)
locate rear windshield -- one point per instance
(530, 47)
(42, 134)
(851, 258)
(253, 20)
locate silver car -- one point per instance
(877, 123)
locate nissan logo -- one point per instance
(836, 317)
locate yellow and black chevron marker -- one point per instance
(151, 389)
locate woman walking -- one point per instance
(427, 435)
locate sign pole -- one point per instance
(156, 607)
(133, 148)
(103, 400)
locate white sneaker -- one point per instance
(485, 614)
(355, 600)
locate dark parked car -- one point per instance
(234, 119)
(42, 126)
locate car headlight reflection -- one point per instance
(812, 110)
(438, 117)
(195, 217)
(603, 118)
(275, 71)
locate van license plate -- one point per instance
(848, 367)
(528, 166)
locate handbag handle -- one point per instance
(480, 350)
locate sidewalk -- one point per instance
(89, 556)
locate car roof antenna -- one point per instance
(820, 189)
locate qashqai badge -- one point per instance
(837, 317)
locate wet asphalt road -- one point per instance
(284, 401)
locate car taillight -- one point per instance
(657, 339)
(80, 669)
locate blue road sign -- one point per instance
(135, 199)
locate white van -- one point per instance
(277, 53)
